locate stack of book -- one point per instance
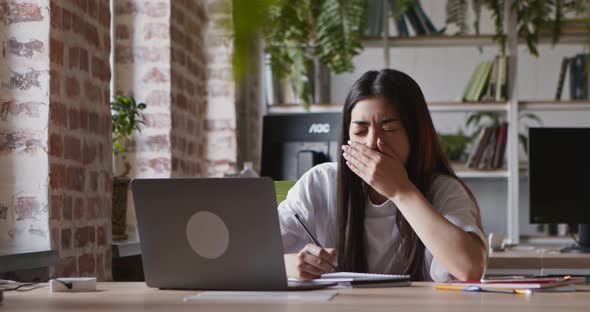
(489, 81)
(518, 285)
(578, 77)
(414, 15)
(489, 148)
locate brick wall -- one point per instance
(142, 69)
(220, 124)
(80, 181)
(24, 106)
(188, 64)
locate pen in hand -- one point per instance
(315, 241)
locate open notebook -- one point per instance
(362, 279)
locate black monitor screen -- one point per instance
(559, 175)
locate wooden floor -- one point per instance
(419, 297)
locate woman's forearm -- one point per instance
(460, 252)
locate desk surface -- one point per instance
(419, 297)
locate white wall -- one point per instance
(442, 73)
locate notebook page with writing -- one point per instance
(353, 275)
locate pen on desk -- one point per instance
(315, 241)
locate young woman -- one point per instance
(391, 204)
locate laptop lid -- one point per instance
(210, 233)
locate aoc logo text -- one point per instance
(319, 128)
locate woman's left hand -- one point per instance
(383, 170)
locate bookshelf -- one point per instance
(511, 108)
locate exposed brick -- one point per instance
(56, 51)
(78, 208)
(83, 121)
(57, 176)
(67, 20)
(25, 109)
(84, 236)
(122, 32)
(55, 18)
(83, 59)
(58, 114)
(26, 207)
(66, 267)
(93, 122)
(89, 153)
(100, 270)
(56, 145)
(74, 57)
(93, 180)
(13, 12)
(149, 8)
(158, 98)
(24, 81)
(25, 49)
(3, 212)
(104, 15)
(54, 83)
(56, 207)
(21, 141)
(72, 148)
(72, 87)
(150, 143)
(86, 264)
(91, 91)
(156, 31)
(67, 208)
(91, 34)
(66, 238)
(101, 236)
(75, 177)
(92, 8)
(155, 75)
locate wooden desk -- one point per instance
(419, 297)
(538, 260)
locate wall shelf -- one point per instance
(468, 106)
(299, 108)
(430, 41)
(551, 105)
(463, 172)
(438, 41)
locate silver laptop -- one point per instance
(211, 233)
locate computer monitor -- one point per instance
(294, 143)
(559, 176)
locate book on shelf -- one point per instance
(419, 21)
(399, 20)
(488, 81)
(561, 78)
(488, 150)
(417, 25)
(501, 91)
(374, 18)
(578, 77)
(498, 161)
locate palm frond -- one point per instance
(338, 30)
(457, 14)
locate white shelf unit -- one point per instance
(512, 107)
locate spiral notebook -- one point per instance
(363, 279)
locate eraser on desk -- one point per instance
(72, 284)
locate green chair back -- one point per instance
(282, 188)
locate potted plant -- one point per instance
(126, 117)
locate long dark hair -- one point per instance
(426, 160)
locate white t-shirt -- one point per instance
(313, 197)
